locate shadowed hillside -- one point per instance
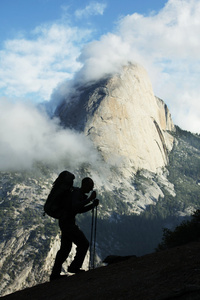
(165, 275)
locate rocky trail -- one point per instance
(170, 274)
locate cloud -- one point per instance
(93, 9)
(168, 40)
(102, 57)
(36, 65)
(27, 135)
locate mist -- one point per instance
(28, 135)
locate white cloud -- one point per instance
(103, 57)
(27, 135)
(93, 9)
(38, 64)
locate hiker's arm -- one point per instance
(78, 201)
(86, 208)
(90, 207)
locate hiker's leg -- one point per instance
(82, 244)
(62, 254)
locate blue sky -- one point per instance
(25, 15)
(45, 43)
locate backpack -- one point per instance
(58, 201)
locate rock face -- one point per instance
(123, 118)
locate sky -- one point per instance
(44, 44)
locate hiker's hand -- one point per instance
(96, 202)
(93, 195)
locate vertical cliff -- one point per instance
(126, 122)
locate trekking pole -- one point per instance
(91, 240)
(95, 233)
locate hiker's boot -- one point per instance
(75, 270)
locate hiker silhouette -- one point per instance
(70, 232)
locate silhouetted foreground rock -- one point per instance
(171, 274)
